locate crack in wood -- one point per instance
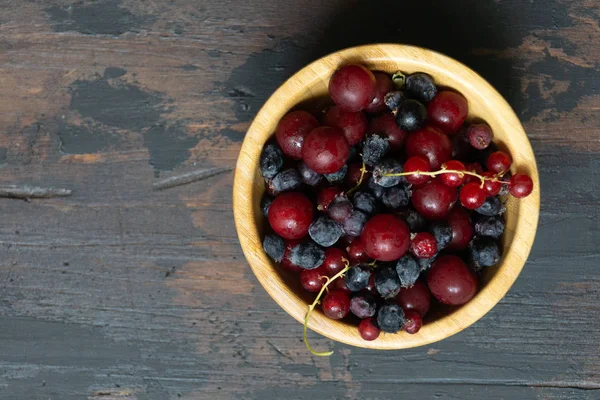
(188, 177)
(26, 192)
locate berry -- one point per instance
(411, 115)
(413, 322)
(383, 85)
(417, 164)
(286, 262)
(340, 285)
(368, 330)
(312, 280)
(353, 175)
(431, 143)
(421, 86)
(388, 165)
(307, 255)
(417, 298)
(472, 195)
(473, 167)
(385, 237)
(285, 181)
(325, 231)
(498, 162)
(336, 304)
(408, 271)
(396, 197)
(371, 286)
(505, 179)
(442, 233)
(335, 261)
(462, 229)
(390, 318)
(292, 129)
(274, 246)
(271, 160)
(325, 150)
(423, 245)
(448, 110)
(353, 124)
(461, 148)
(393, 100)
(374, 148)
(363, 305)
(377, 190)
(308, 176)
(353, 87)
(425, 263)
(337, 176)
(356, 252)
(386, 124)
(485, 251)
(357, 277)
(520, 185)
(340, 209)
(491, 206)
(365, 202)
(354, 224)
(434, 199)
(265, 203)
(387, 282)
(415, 221)
(491, 187)
(490, 226)
(450, 281)
(479, 135)
(326, 196)
(290, 215)
(453, 179)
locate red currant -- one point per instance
(290, 215)
(499, 162)
(459, 221)
(423, 245)
(412, 322)
(434, 200)
(353, 124)
(431, 143)
(326, 196)
(340, 285)
(368, 330)
(386, 124)
(448, 110)
(325, 150)
(292, 129)
(417, 298)
(336, 304)
(472, 196)
(491, 186)
(480, 135)
(417, 164)
(357, 253)
(335, 261)
(473, 167)
(451, 281)
(312, 280)
(385, 237)
(384, 85)
(520, 185)
(353, 87)
(453, 179)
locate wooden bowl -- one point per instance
(484, 103)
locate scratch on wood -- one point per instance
(278, 350)
(188, 177)
(27, 192)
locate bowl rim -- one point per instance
(448, 325)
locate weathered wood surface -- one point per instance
(124, 292)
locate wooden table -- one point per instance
(124, 292)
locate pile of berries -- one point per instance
(390, 203)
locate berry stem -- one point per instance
(314, 304)
(363, 169)
(446, 171)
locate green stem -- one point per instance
(446, 171)
(363, 169)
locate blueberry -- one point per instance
(390, 318)
(442, 233)
(425, 263)
(365, 202)
(393, 100)
(492, 206)
(325, 231)
(357, 277)
(485, 251)
(411, 115)
(271, 160)
(387, 282)
(354, 224)
(397, 196)
(308, 176)
(363, 305)
(388, 165)
(265, 203)
(307, 255)
(340, 209)
(337, 176)
(377, 190)
(274, 247)
(285, 181)
(421, 86)
(374, 149)
(490, 226)
(408, 270)
(415, 221)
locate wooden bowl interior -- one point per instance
(308, 89)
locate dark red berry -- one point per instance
(520, 185)
(472, 195)
(453, 179)
(480, 135)
(423, 245)
(357, 253)
(325, 150)
(335, 261)
(448, 110)
(434, 200)
(451, 281)
(416, 297)
(312, 280)
(340, 209)
(287, 262)
(499, 162)
(385, 237)
(431, 143)
(353, 87)
(290, 215)
(292, 129)
(371, 286)
(414, 164)
(340, 285)
(353, 124)
(386, 124)
(368, 330)
(473, 167)
(384, 85)
(326, 196)
(459, 221)
(491, 186)
(336, 304)
(413, 322)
